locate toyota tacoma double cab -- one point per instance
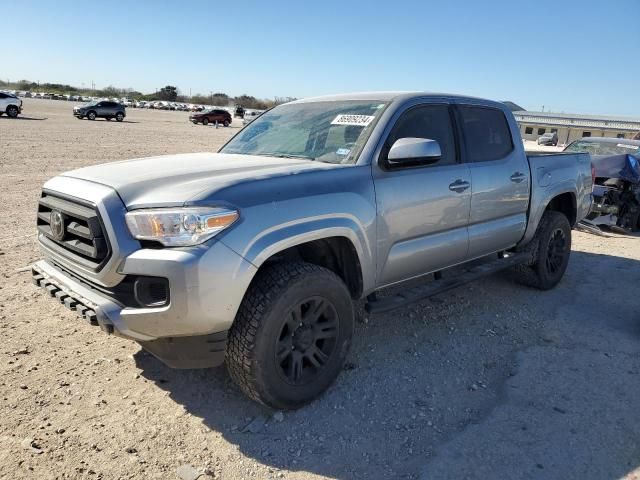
(260, 255)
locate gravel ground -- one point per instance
(492, 380)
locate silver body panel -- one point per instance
(402, 223)
(500, 197)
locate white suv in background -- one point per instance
(251, 115)
(10, 104)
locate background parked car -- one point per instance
(10, 104)
(251, 115)
(549, 138)
(211, 116)
(616, 190)
(100, 109)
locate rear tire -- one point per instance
(226, 123)
(291, 335)
(205, 121)
(119, 117)
(550, 250)
(12, 111)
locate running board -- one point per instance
(440, 285)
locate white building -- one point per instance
(570, 127)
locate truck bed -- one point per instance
(554, 173)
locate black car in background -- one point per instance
(100, 109)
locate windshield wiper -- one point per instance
(288, 155)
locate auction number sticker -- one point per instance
(357, 120)
(632, 147)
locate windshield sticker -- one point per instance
(343, 151)
(357, 120)
(632, 147)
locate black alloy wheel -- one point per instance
(556, 251)
(307, 340)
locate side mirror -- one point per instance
(413, 151)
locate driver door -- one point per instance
(423, 211)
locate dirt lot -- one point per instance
(492, 380)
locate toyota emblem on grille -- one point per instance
(56, 221)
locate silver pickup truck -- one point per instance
(258, 255)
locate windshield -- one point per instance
(332, 132)
(604, 148)
(91, 103)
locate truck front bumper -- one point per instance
(206, 284)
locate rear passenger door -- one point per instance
(422, 211)
(500, 179)
(113, 108)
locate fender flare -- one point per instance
(279, 238)
(540, 202)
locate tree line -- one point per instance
(168, 93)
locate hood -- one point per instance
(625, 167)
(174, 180)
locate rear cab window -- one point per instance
(485, 132)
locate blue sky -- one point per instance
(579, 56)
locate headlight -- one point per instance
(175, 227)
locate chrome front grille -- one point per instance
(73, 229)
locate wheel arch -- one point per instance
(565, 203)
(337, 254)
(562, 198)
(336, 244)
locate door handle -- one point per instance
(459, 186)
(518, 177)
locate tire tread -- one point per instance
(243, 335)
(527, 273)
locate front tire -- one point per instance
(119, 117)
(226, 123)
(12, 111)
(291, 335)
(550, 249)
(91, 115)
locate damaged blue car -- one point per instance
(616, 189)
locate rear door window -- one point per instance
(486, 133)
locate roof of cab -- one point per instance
(390, 96)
